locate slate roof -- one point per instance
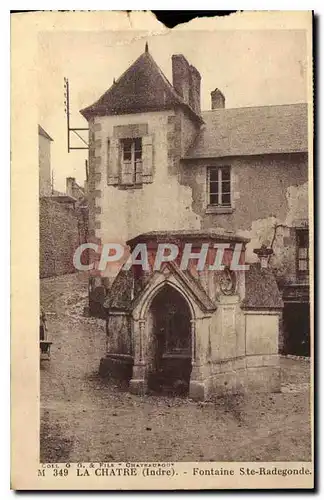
(251, 131)
(261, 289)
(62, 198)
(142, 87)
(119, 294)
(43, 132)
(187, 235)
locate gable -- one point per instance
(43, 133)
(120, 295)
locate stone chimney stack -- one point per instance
(194, 97)
(181, 76)
(217, 99)
(186, 81)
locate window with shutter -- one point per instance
(147, 159)
(131, 162)
(130, 156)
(113, 161)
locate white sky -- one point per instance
(252, 68)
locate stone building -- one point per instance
(163, 170)
(63, 217)
(44, 155)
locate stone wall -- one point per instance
(233, 345)
(62, 228)
(119, 334)
(269, 198)
(117, 215)
(44, 155)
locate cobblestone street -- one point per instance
(84, 418)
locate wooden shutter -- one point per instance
(127, 173)
(113, 161)
(147, 147)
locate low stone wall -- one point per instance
(117, 366)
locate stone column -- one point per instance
(138, 382)
(197, 389)
(193, 341)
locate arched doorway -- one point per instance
(170, 342)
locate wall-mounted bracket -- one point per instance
(74, 130)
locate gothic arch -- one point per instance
(141, 310)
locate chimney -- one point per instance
(181, 76)
(186, 81)
(217, 99)
(70, 186)
(194, 96)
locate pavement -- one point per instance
(85, 418)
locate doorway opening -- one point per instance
(296, 319)
(170, 343)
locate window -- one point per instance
(131, 168)
(302, 251)
(130, 157)
(219, 186)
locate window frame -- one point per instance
(219, 207)
(135, 165)
(302, 273)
